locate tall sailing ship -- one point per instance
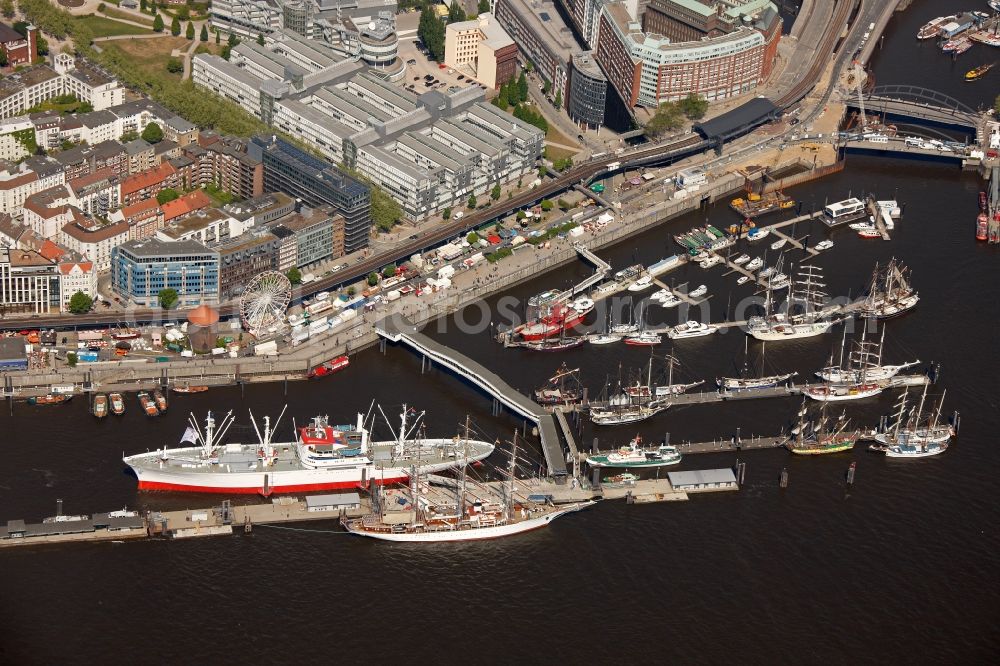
(746, 382)
(819, 436)
(865, 359)
(485, 514)
(890, 293)
(806, 312)
(915, 434)
(322, 457)
(563, 388)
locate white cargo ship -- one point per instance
(322, 457)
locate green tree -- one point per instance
(203, 37)
(101, 7)
(446, 213)
(472, 201)
(372, 279)
(168, 298)
(174, 66)
(71, 359)
(431, 32)
(233, 39)
(227, 52)
(130, 135)
(294, 275)
(175, 27)
(260, 38)
(80, 303)
(521, 215)
(546, 87)
(558, 101)
(542, 171)
(7, 7)
(157, 23)
(41, 46)
(3, 58)
(218, 36)
(153, 133)
(547, 205)
(389, 271)
(483, 7)
(693, 106)
(563, 204)
(495, 192)
(472, 238)
(351, 290)
(142, 6)
(189, 33)
(455, 12)
(166, 194)
(522, 87)
(184, 13)
(668, 117)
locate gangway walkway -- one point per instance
(398, 328)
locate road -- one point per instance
(581, 173)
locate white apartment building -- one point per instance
(12, 133)
(76, 276)
(93, 240)
(18, 183)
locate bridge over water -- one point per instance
(918, 105)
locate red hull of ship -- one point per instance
(300, 488)
(552, 328)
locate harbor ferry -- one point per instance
(322, 457)
(634, 455)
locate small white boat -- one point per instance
(743, 279)
(624, 329)
(645, 282)
(767, 271)
(869, 233)
(742, 259)
(699, 292)
(691, 329)
(605, 339)
(755, 264)
(861, 226)
(824, 245)
(757, 234)
(660, 294)
(780, 281)
(670, 301)
(778, 244)
(713, 260)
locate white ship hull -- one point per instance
(468, 534)
(185, 470)
(791, 331)
(878, 373)
(914, 452)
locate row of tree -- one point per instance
(530, 116)
(431, 27)
(512, 93)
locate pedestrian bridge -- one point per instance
(398, 328)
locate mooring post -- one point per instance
(783, 481)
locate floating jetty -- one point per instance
(755, 205)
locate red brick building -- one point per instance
(19, 50)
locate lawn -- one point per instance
(555, 136)
(111, 12)
(105, 27)
(557, 153)
(150, 55)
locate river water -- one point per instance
(901, 566)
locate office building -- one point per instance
(588, 91)
(317, 183)
(141, 269)
(29, 283)
(482, 49)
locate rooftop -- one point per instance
(154, 247)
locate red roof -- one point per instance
(147, 178)
(186, 204)
(51, 251)
(137, 210)
(493, 239)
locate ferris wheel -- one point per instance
(264, 301)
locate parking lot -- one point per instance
(419, 66)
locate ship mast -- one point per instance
(465, 466)
(209, 437)
(509, 500)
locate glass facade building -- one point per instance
(140, 269)
(588, 91)
(317, 183)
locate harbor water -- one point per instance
(899, 566)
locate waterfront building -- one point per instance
(317, 183)
(482, 49)
(719, 49)
(308, 237)
(141, 269)
(76, 275)
(243, 258)
(29, 283)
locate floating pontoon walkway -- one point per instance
(398, 328)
